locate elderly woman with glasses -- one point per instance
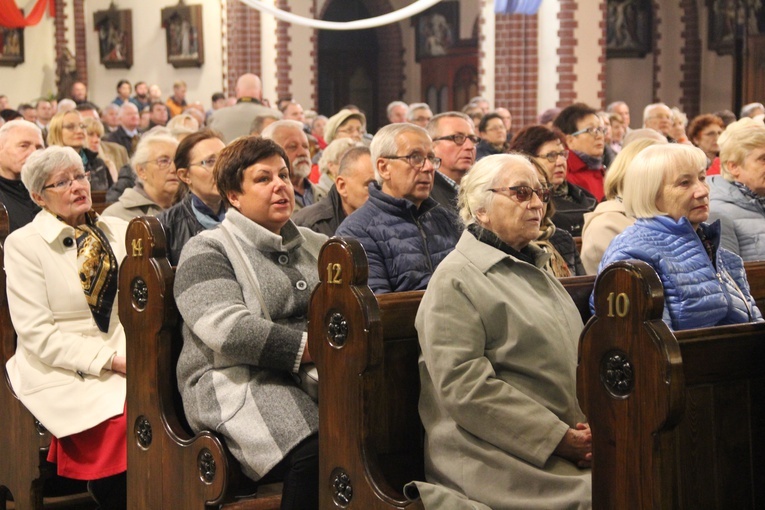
(571, 202)
(738, 194)
(586, 141)
(499, 336)
(705, 285)
(345, 124)
(198, 204)
(157, 180)
(69, 366)
(67, 129)
(704, 132)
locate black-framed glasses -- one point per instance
(417, 160)
(592, 131)
(523, 193)
(208, 163)
(553, 156)
(65, 184)
(459, 138)
(162, 162)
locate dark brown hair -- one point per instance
(529, 139)
(183, 156)
(570, 115)
(239, 155)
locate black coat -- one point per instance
(444, 193)
(21, 209)
(571, 207)
(323, 217)
(180, 225)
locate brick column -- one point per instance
(243, 41)
(283, 53)
(59, 22)
(690, 84)
(566, 75)
(81, 51)
(656, 52)
(516, 66)
(602, 57)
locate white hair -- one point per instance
(43, 162)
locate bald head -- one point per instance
(248, 85)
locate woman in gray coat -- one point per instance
(737, 195)
(503, 428)
(243, 290)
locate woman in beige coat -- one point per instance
(69, 366)
(503, 429)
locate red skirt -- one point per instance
(95, 453)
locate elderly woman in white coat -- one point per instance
(69, 365)
(503, 428)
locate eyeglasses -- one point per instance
(352, 131)
(417, 160)
(74, 127)
(553, 156)
(162, 162)
(65, 184)
(208, 163)
(459, 138)
(592, 131)
(523, 193)
(714, 134)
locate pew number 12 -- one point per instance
(618, 303)
(334, 271)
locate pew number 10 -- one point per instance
(618, 303)
(334, 273)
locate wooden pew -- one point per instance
(25, 474)
(678, 418)
(169, 467)
(366, 350)
(99, 201)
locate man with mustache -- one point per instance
(405, 233)
(290, 136)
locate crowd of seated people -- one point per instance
(456, 203)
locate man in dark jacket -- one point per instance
(405, 233)
(127, 133)
(454, 141)
(18, 139)
(350, 191)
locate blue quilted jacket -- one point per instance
(404, 244)
(696, 293)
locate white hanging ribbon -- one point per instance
(361, 24)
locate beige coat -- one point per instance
(58, 371)
(498, 371)
(607, 221)
(132, 204)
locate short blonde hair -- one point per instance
(334, 151)
(474, 195)
(614, 182)
(93, 126)
(645, 175)
(737, 141)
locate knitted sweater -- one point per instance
(235, 368)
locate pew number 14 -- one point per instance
(618, 303)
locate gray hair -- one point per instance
(654, 106)
(42, 163)
(110, 107)
(272, 128)
(414, 107)
(258, 121)
(9, 126)
(385, 141)
(474, 195)
(394, 104)
(436, 120)
(333, 152)
(350, 158)
(66, 105)
(736, 142)
(146, 146)
(612, 106)
(747, 109)
(127, 106)
(178, 127)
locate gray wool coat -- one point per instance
(235, 368)
(742, 219)
(499, 343)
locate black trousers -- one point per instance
(299, 472)
(110, 493)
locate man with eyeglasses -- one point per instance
(18, 139)
(419, 114)
(658, 116)
(403, 230)
(126, 133)
(586, 140)
(454, 141)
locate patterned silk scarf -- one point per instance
(98, 270)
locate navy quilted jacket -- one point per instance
(696, 293)
(404, 244)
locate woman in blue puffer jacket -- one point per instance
(704, 285)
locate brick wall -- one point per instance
(516, 67)
(602, 56)
(283, 54)
(568, 42)
(81, 51)
(59, 22)
(656, 52)
(690, 85)
(243, 41)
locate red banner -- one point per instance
(11, 16)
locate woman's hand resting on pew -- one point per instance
(576, 446)
(119, 364)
